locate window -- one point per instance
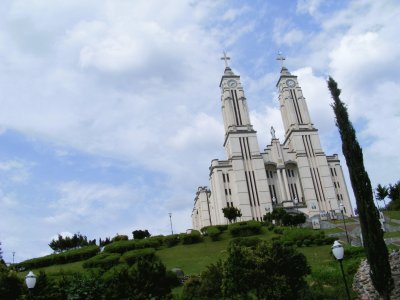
(226, 192)
(338, 185)
(223, 177)
(230, 192)
(227, 177)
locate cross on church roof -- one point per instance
(226, 58)
(281, 58)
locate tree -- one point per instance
(266, 272)
(381, 193)
(11, 286)
(374, 244)
(140, 234)
(67, 243)
(1, 255)
(394, 196)
(231, 213)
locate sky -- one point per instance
(110, 109)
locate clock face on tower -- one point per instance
(290, 83)
(232, 83)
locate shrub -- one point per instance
(213, 233)
(204, 230)
(299, 243)
(61, 258)
(250, 242)
(288, 243)
(271, 227)
(329, 240)
(192, 238)
(318, 242)
(171, 240)
(124, 246)
(222, 228)
(103, 261)
(307, 242)
(133, 256)
(278, 230)
(245, 228)
(119, 237)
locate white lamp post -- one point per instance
(30, 281)
(338, 252)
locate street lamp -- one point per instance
(338, 252)
(344, 222)
(30, 281)
(170, 221)
(296, 202)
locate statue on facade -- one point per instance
(273, 132)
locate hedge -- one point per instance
(171, 240)
(250, 242)
(192, 238)
(245, 228)
(133, 256)
(104, 261)
(60, 258)
(125, 246)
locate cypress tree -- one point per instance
(374, 244)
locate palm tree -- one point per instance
(381, 193)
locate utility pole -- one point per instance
(13, 253)
(170, 220)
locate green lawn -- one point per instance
(393, 214)
(392, 234)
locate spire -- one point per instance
(281, 58)
(228, 70)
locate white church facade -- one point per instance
(296, 174)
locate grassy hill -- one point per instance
(194, 258)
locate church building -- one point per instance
(296, 175)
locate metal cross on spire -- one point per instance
(225, 58)
(281, 58)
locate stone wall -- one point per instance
(362, 283)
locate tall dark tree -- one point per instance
(381, 193)
(375, 247)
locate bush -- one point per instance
(133, 256)
(329, 240)
(307, 242)
(171, 240)
(250, 242)
(125, 246)
(278, 230)
(222, 228)
(213, 233)
(103, 261)
(119, 237)
(299, 243)
(192, 238)
(61, 258)
(245, 228)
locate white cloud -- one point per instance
(285, 34)
(15, 170)
(308, 6)
(93, 202)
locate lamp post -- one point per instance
(296, 202)
(344, 222)
(30, 281)
(338, 252)
(170, 221)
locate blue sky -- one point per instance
(110, 110)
